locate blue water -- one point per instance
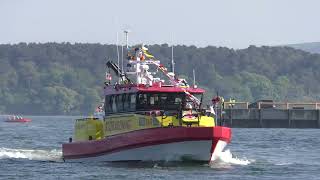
(33, 151)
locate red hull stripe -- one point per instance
(142, 138)
(19, 120)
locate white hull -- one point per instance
(179, 151)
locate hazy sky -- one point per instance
(231, 23)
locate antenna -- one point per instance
(194, 78)
(126, 32)
(118, 55)
(127, 37)
(218, 113)
(121, 58)
(172, 61)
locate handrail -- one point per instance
(276, 105)
(236, 105)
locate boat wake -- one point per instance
(226, 158)
(31, 154)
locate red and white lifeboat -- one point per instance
(17, 119)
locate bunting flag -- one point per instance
(108, 76)
(146, 53)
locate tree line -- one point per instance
(64, 78)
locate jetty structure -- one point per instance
(270, 114)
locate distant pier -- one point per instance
(270, 115)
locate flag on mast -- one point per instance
(146, 53)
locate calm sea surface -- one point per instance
(33, 151)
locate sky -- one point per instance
(230, 23)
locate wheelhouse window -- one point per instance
(190, 103)
(142, 99)
(147, 101)
(108, 104)
(132, 102)
(159, 101)
(119, 102)
(126, 102)
(154, 99)
(114, 104)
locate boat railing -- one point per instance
(272, 105)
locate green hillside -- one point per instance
(65, 78)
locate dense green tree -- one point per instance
(282, 86)
(64, 78)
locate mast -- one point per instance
(126, 32)
(194, 78)
(127, 37)
(118, 56)
(122, 58)
(140, 68)
(172, 61)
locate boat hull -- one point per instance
(156, 144)
(24, 120)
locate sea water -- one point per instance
(33, 151)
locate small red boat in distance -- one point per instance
(17, 119)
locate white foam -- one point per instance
(283, 164)
(31, 154)
(226, 157)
